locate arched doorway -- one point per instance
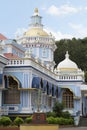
(11, 95)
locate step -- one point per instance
(83, 121)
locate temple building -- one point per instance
(27, 74)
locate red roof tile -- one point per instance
(10, 56)
(2, 37)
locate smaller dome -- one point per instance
(67, 64)
(35, 32)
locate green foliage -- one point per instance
(66, 114)
(85, 76)
(51, 120)
(60, 121)
(58, 108)
(28, 119)
(5, 121)
(53, 114)
(18, 121)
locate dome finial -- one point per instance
(67, 55)
(36, 11)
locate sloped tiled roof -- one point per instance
(10, 56)
(2, 37)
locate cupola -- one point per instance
(67, 64)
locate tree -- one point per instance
(85, 76)
(58, 108)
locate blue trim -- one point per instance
(2, 63)
(28, 67)
(42, 73)
(1, 76)
(36, 82)
(70, 81)
(50, 88)
(44, 85)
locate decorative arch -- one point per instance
(11, 95)
(36, 82)
(67, 98)
(11, 81)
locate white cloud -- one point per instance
(79, 29)
(19, 32)
(79, 32)
(62, 10)
(59, 35)
(85, 8)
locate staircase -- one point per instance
(83, 121)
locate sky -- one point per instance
(63, 18)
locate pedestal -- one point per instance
(39, 118)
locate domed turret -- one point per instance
(37, 41)
(36, 27)
(67, 64)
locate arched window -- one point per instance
(68, 98)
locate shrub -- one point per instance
(71, 121)
(60, 121)
(28, 119)
(5, 121)
(66, 114)
(51, 120)
(49, 114)
(18, 121)
(58, 108)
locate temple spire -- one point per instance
(36, 11)
(67, 55)
(36, 19)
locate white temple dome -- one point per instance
(67, 64)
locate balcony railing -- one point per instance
(3, 110)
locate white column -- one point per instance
(37, 51)
(30, 105)
(0, 98)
